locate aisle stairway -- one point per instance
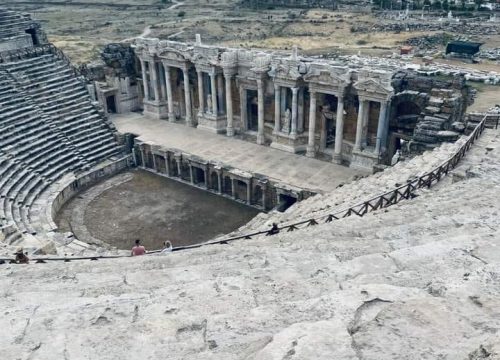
(419, 280)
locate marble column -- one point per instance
(170, 102)
(179, 167)
(220, 93)
(214, 94)
(219, 182)
(229, 106)
(156, 85)
(162, 81)
(233, 188)
(154, 162)
(339, 130)
(249, 193)
(187, 95)
(143, 160)
(359, 124)
(366, 116)
(205, 176)
(145, 84)
(300, 111)
(312, 125)
(277, 108)
(191, 175)
(264, 199)
(167, 165)
(260, 98)
(382, 123)
(295, 91)
(385, 133)
(201, 94)
(243, 108)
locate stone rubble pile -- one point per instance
(457, 27)
(444, 104)
(433, 69)
(490, 54)
(430, 42)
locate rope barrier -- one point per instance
(403, 192)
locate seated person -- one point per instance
(138, 249)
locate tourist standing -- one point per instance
(138, 249)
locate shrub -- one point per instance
(181, 13)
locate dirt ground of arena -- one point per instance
(154, 209)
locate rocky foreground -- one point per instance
(420, 280)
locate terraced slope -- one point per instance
(419, 280)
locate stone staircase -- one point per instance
(418, 280)
(49, 130)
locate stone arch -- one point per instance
(406, 111)
(407, 107)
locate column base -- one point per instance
(363, 160)
(261, 139)
(337, 159)
(310, 152)
(230, 131)
(171, 117)
(155, 110)
(290, 143)
(209, 122)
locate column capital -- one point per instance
(229, 72)
(276, 86)
(295, 90)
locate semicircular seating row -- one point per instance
(13, 23)
(49, 127)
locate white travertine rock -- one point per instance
(419, 280)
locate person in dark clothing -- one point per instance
(274, 230)
(21, 257)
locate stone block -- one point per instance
(432, 110)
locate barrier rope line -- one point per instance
(403, 192)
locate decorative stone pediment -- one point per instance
(371, 85)
(374, 84)
(335, 77)
(261, 64)
(286, 71)
(172, 54)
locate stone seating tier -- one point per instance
(49, 129)
(360, 190)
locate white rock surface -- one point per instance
(419, 280)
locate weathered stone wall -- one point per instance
(441, 104)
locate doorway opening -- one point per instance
(252, 110)
(111, 104)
